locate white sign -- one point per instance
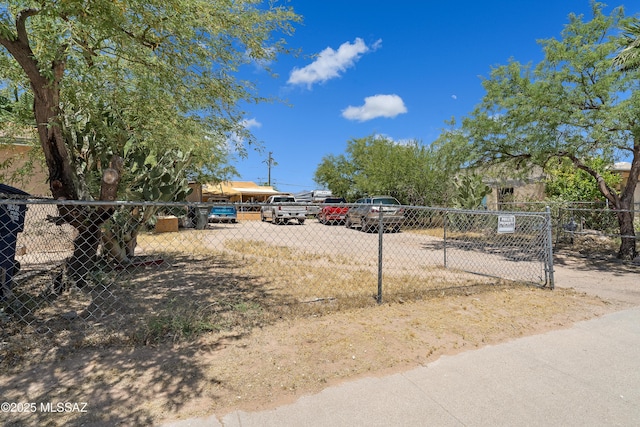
(506, 223)
(322, 193)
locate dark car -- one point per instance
(333, 211)
(366, 214)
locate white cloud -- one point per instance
(376, 106)
(269, 55)
(235, 140)
(251, 123)
(330, 63)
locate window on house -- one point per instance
(505, 196)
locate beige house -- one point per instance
(15, 156)
(506, 189)
(507, 186)
(624, 169)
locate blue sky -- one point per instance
(399, 69)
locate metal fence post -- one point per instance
(444, 239)
(549, 244)
(380, 233)
(560, 221)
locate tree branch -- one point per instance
(19, 48)
(21, 21)
(606, 191)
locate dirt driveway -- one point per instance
(607, 278)
(599, 274)
(402, 252)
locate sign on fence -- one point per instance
(506, 223)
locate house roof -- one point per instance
(231, 188)
(622, 166)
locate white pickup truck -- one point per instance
(281, 209)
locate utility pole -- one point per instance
(270, 162)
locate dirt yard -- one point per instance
(276, 362)
(283, 361)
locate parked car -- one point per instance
(223, 213)
(281, 209)
(333, 211)
(366, 214)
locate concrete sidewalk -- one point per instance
(588, 375)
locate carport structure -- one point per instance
(239, 192)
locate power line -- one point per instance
(294, 185)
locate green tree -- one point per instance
(156, 74)
(111, 79)
(565, 182)
(573, 105)
(336, 173)
(412, 172)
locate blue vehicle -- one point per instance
(223, 213)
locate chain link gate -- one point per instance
(454, 247)
(517, 245)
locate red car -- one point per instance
(332, 211)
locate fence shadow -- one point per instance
(507, 252)
(567, 256)
(109, 381)
(180, 297)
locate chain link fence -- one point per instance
(143, 272)
(590, 225)
(600, 221)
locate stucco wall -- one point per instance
(36, 182)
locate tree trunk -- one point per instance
(45, 79)
(625, 212)
(85, 245)
(45, 84)
(61, 174)
(622, 202)
(628, 244)
(64, 186)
